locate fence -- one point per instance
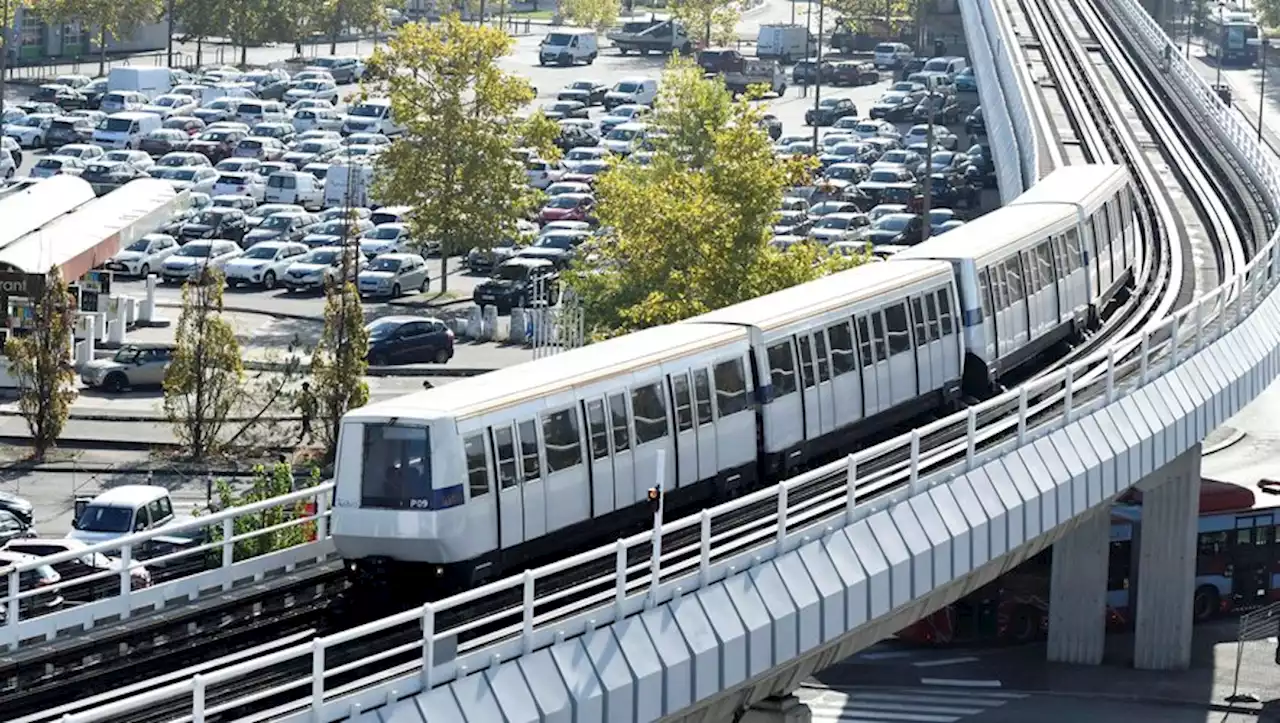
(1257, 646)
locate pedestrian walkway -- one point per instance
(935, 704)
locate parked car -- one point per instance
(518, 282)
(942, 106)
(321, 266)
(589, 92)
(51, 166)
(393, 274)
(143, 255)
(67, 129)
(263, 264)
(409, 339)
(162, 141)
(33, 579)
(975, 123)
(86, 565)
(282, 226)
(141, 364)
(215, 223)
(830, 110)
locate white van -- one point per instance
(568, 46)
(371, 116)
(950, 65)
(122, 511)
(892, 55)
(151, 82)
(125, 130)
(782, 42)
(295, 187)
(348, 184)
(637, 91)
(254, 112)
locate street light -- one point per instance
(817, 79)
(1264, 44)
(1222, 41)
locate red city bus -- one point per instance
(1237, 569)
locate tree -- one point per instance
(338, 362)
(8, 13)
(268, 482)
(453, 164)
(691, 228)
(598, 14)
(338, 15)
(539, 133)
(715, 20)
(204, 382)
(199, 20)
(115, 18)
(41, 363)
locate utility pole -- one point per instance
(1222, 42)
(5, 28)
(169, 36)
(926, 227)
(808, 33)
(817, 78)
(1264, 44)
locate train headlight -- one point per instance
(439, 571)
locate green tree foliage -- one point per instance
(453, 164)
(115, 18)
(41, 363)
(8, 12)
(338, 363)
(598, 14)
(692, 227)
(539, 133)
(204, 381)
(268, 482)
(873, 16)
(336, 16)
(712, 20)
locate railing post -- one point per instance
(851, 493)
(527, 614)
(1144, 352)
(970, 447)
(1022, 415)
(1199, 321)
(228, 546)
(620, 575)
(197, 698)
(1173, 338)
(322, 519)
(13, 609)
(126, 575)
(1068, 393)
(704, 549)
(428, 644)
(1111, 375)
(782, 518)
(317, 678)
(915, 457)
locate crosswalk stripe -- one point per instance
(898, 705)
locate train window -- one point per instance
(1044, 252)
(1014, 279)
(597, 430)
(731, 389)
(397, 470)
(529, 462)
(782, 369)
(944, 311)
(1029, 269)
(684, 404)
(820, 355)
(618, 416)
(650, 413)
(864, 343)
(984, 294)
(917, 316)
(504, 445)
(562, 440)
(842, 359)
(1059, 258)
(931, 316)
(895, 317)
(878, 336)
(702, 395)
(477, 465)
(806, 362)
(1074, 259)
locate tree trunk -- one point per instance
(102, 52)
(444, 270)
(199, 52)
(4, 60)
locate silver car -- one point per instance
(393, 275)
(135, 365)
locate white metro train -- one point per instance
(452, 486)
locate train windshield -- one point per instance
(396, 470)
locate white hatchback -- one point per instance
(264, 264)
(192, 259)
(144, 255)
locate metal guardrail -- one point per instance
(798, 510)
(181, 573)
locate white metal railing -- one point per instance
(529, 612)
(209, 553)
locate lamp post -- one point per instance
(1190, 24)
(5, 27)
(817, 78)
(1264, 44)
(1222, 41)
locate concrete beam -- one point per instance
(1167, 564)
(1078, 592)
(782, 709)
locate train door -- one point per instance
(531, 484)
(902, 368)
(601, 461)
(785, 413)
(1016, 283)
(1031, 276)
(620, 436)
(1062, 276)
(1251, 556)
(686, 432)
(846, 387)
(650, 414)
(704, 418)
(871, 357)
(808, 387)
(815, 371)
(986, 300)
(510, 494)
(924, 322)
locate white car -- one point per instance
(267, 210)
(192, 259)
(312, 104)
(239, 165)
(318, 89)
(543, 173)
(942, 136)
(240, 184)
(84, 151)
(123, 101)
(51, 166)
(384, 238)
(392, 275)
(316, 119)
(143, 255)
(313, 74)
(29, 130)
(837, 227)
(263, 264)
(140, 160)
(869, 128)
(320, 266)
(578, 156)
(366, 139)
(196, 180)
(171, 104)
(8, 166)
(182, 159)
(627, 113)
(624, 139)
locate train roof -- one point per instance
(1088, 185)
(547, 377)
(817, 297)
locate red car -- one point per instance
(568, 207)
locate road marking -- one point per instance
(960, 683)
(886, 655)
(896, 705)
(948, 661)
